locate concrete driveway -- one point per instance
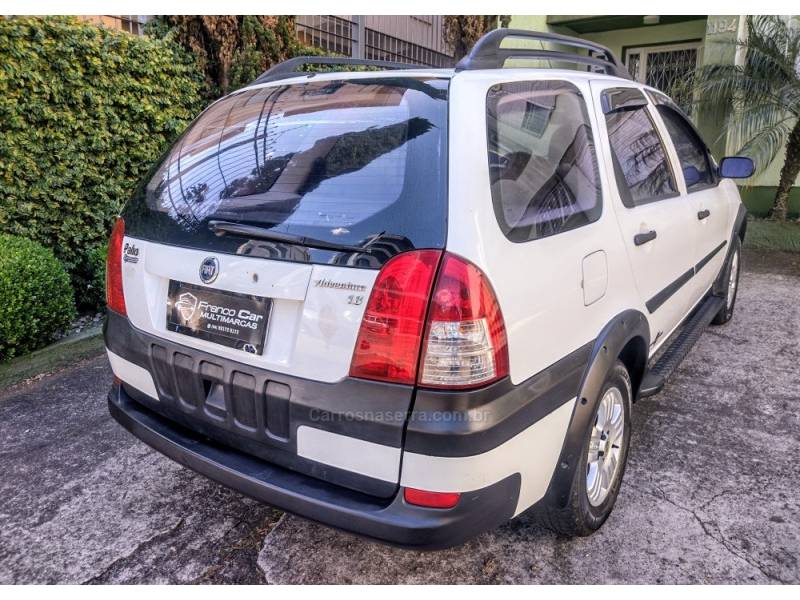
(710, 494)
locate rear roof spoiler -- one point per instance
(290, 68)
(487, 53)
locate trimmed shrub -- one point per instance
(85, 112)
(36, 300)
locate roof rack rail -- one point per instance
(289, 68)
(487, 53)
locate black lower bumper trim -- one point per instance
(259, 411)
(388, 520)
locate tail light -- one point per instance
(431, 499)
(115, 298)
(387, 348)
(465, 343)
(464, 337)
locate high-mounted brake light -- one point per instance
(465, 342)
(431, 499)
(388, 344)
(115, 298)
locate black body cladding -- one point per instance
(258, 411)
(627, 330)
(387, 520)
(478, 420)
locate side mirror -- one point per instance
(736, 167)
(691, 175)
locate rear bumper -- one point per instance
(390, 520)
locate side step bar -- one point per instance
(680, 346)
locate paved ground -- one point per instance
(710, 495)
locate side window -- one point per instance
(695, 163)
(542, 160)
(640, 163)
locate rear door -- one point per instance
(655, 221)
(701, 189)
(354, 171)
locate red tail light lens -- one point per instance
(115, 298)
(465, 344)
(388, 344)
(431, 499)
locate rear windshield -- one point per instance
(349, 162)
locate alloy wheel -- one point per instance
(605, 446)
(733, 279)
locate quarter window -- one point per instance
(695, 164)
(640, 163)
(542, 160)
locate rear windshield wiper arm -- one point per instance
(222, 227)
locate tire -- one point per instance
(587, 509)
(733, 269)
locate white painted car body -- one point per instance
(556, 293)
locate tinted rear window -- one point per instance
(338, 161)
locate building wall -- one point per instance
(758, 192)
(407, 38)
(130, 23)
(425, 30)
(536, 23)
(652, 35)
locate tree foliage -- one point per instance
(462, 31)
(764, 96)
(230, 50)
(85, 111)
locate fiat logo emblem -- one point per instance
(209, 269)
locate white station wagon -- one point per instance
(413, 303)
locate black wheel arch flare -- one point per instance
(627, 337)
(739, 229)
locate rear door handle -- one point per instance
(703, 214)
(643, 238)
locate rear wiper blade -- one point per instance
(221, 228)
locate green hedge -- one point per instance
(36, 299)
(95, 294)
(85, 112)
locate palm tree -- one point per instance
(764, 93)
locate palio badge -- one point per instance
(130, 253)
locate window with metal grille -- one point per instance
(669, 68)
(381, 46)
(326, 32)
